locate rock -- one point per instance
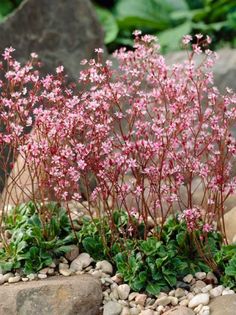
(173, 300)
(60, 32)
(14, 279)
(225, 305)
(200, 275)
(200, 284)
(117, 278)
(205, 310)
(165, 300)
(52, 265)
(125, 311)
(132, 296)
(81, 295)
(105, 266)
(51, 271)
(25, 279)
(73, 253)
(63, 266)
(42, 276)
(198, 308)
(123, 291)
(184, 302)
(179, 293)
(2, 279)
(188, 278)
(230, 224)
(210, 276)
(202, 298)
(147, 312)
(134, 311)
(112, 308)
(217, 291)
(7, 276)
(140, 299)
(81, 262)
(44, 271)
(180, 310)
(32, 276)
(97, 273)
(207, 288)
(227, 292)
(65, 272)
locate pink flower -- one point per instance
(187, 39)
(59, 69)
(207, 228)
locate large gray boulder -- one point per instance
(77, 295)
(59, 31)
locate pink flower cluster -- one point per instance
(131, 137)
(194, 220)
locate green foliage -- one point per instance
(169, 20)
(38, 235)
(150, 265)
(109, 24)
(226, 260)
(155, 265)
(7, 6)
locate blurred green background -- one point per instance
(168, 19)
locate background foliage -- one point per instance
(169, 20)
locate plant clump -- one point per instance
(132, 141)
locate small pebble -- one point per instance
(14, 279)
(202, 298)
(188, 278)
(123, 291)
(42, 276)
(200, 275)
(205, 310)
(65, 272)
(24, 279)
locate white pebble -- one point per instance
(14, 279)
(202, 298)
(205, 310)
(105, 266)
(200, 275)
(42, 276)
(188, 278)
(217, 291)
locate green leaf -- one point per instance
(230, 269)
(181, 238)
(160, 261)
(171, 39)
(93, 246)
(137, 285)
(143, 14)
(170, 277)
(150, 246)
(109, 24)
(6, 7)
(153, 288)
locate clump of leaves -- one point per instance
(37, 235)
(154, 264)
(226, 260)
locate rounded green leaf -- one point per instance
(108, 23)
